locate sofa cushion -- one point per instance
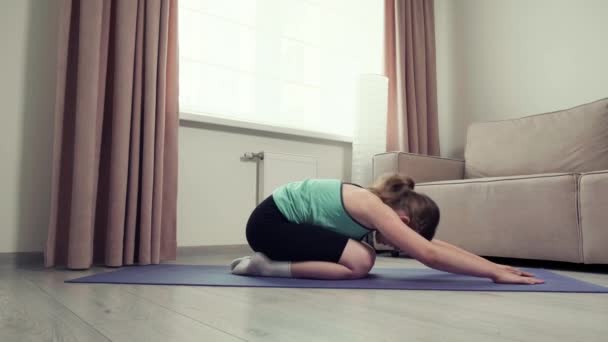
(531, 217)
(572, 140)
(593, 204)
(421, 168)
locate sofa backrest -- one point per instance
(571, 140)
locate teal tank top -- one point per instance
(318, 202)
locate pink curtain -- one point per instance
(411, 68)
(114, 185)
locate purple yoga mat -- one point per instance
(380, 278)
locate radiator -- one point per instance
(276, 169)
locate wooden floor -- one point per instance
(36, 305)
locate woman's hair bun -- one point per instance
(396, 182)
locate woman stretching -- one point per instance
(313, 229)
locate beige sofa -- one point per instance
(532, 188)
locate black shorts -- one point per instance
(269, 232)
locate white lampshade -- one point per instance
(369, 136)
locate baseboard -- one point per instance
(206, 250)
(37, 258)
(22, 259)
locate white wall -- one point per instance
(500, 59)
(27, 95)
(217, 190)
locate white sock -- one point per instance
(260, 265)
(236, 262)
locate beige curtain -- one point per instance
(411, 68)
(114, 185)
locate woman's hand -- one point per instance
(510, 275)
(514, 270)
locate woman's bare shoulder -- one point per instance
(359, 203)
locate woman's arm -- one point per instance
(462, 251)
(432, 255)
(452, 247)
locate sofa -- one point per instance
(532, 188)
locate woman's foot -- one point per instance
(260, 265)
(236, 262)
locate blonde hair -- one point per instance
(397, 191)
(392, 187)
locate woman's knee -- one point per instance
(359, 258)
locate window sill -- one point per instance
(213, 120)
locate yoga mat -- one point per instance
(379, 278)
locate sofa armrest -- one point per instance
(592, 204)
(421, 168)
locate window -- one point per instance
(289, 63)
